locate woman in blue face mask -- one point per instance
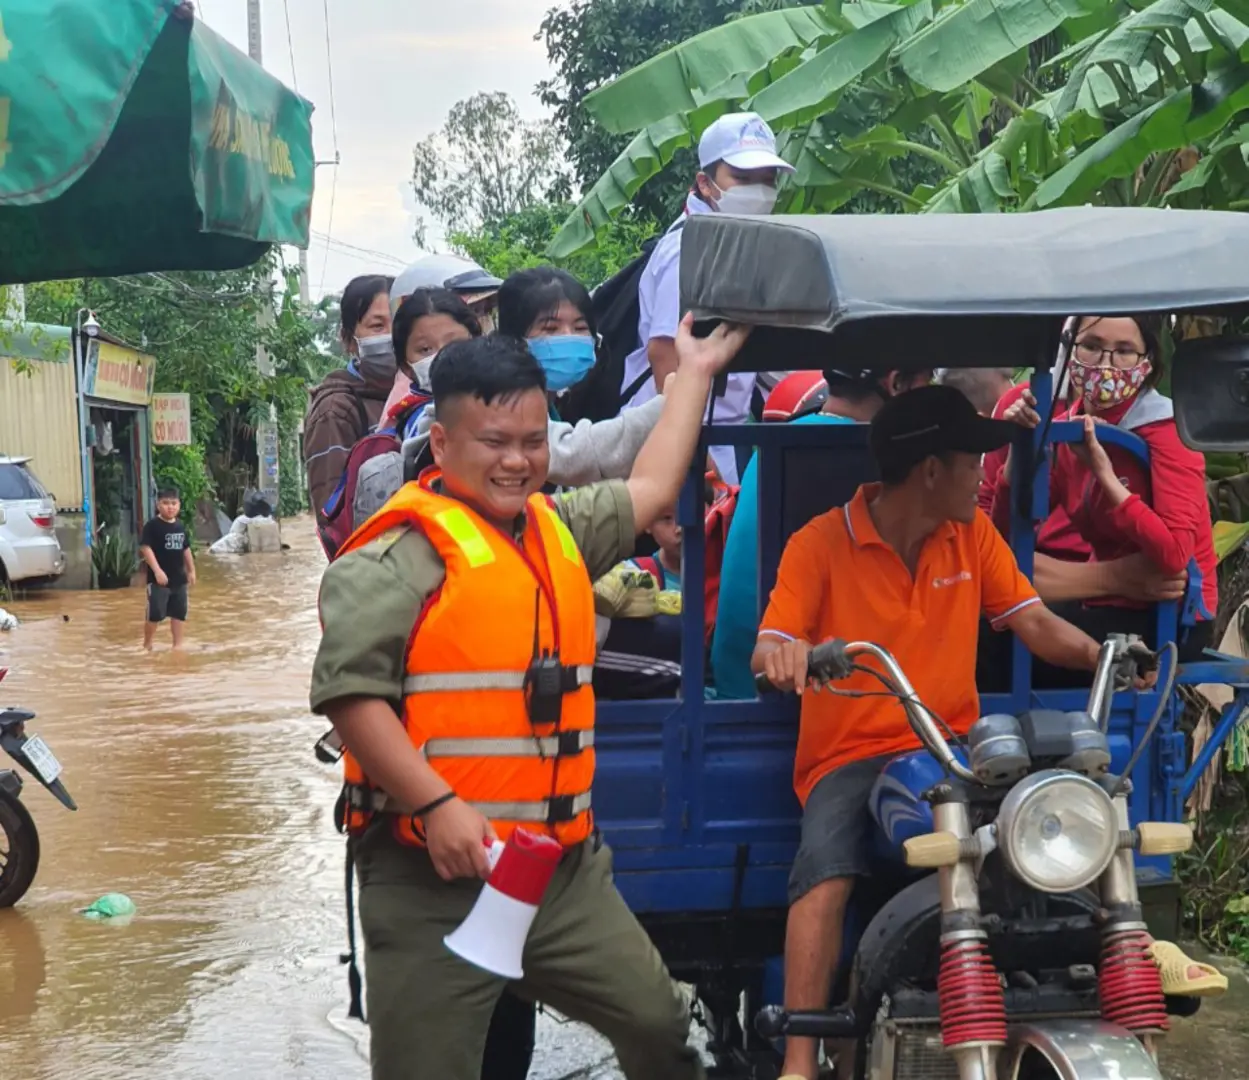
(552, 312)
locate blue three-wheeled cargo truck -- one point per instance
(695, 795)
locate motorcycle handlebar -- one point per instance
(834, 660)
(1120, 657)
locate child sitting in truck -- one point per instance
(639, 601)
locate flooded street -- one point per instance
(200, 798)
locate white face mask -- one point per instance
(747, 199)
(420, 371)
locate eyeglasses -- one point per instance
(1091, 355)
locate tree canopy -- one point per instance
(520, 240)
(203, 330)
(1011, 105)
(589, 43)
(485, 163)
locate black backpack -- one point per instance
(616, 310)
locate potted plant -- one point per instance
(115, 559)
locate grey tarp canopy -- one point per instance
(951, 290)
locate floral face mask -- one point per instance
(1105, 386)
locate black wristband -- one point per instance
(429, 807)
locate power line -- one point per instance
(290, 43)
(370, 259)
(372, 253)
(329, 65)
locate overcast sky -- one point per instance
(399, 65)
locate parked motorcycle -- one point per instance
(1025, 956)
(19, 839)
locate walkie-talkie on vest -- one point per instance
(544, 681)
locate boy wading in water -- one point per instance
(170, 567)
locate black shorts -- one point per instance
(166, 602)
(836, 827)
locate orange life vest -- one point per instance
(469, 672)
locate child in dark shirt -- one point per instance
(165, 549)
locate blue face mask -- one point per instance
(566, 359)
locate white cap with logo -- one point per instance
(742, 140)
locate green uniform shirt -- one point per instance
(370, 597)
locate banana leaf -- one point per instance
(1129, 42)
(670, 82)
(973, 38)
(647, 153)
(988, 183)
(814, 86)
(1218, 179)
(1180, 119)
(133, 138)
(1229, 537)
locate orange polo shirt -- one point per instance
(839, 579)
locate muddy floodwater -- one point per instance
(199, 797)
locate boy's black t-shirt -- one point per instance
(168, 540)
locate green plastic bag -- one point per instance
(111, 906)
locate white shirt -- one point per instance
(659, 303)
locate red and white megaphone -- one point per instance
(493, 936)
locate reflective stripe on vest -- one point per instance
(378, 802)
(567, 543)
(543, 746)
(480, 680)
(534, 811)
(461, 529)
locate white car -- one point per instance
(29, 549)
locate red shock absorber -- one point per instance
(1129, 984)
(973, 1008)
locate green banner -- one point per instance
(251, 154)
(133, 138)
(66, 68)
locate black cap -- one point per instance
(931, 420)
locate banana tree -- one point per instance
(1146, 116)
(1010, 104)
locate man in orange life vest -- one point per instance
(455, 664)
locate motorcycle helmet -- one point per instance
(462, 276)
(798, 394)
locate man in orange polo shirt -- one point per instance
(910, 563)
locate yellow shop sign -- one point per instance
(117, 373)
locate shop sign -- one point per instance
(117, 373)
(171, 419)
(267, 446)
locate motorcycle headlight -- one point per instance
(1057, 831)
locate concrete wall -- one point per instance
(71, 530)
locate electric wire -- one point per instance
(329, 64)
(290, 44)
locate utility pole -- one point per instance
(267, 437)
(255, 50)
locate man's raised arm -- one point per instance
(664, 460)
